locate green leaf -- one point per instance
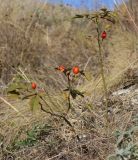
(78, 16)
(14, 93)
(34, 103)
(32, 135)
(14, 86)
(74, 93)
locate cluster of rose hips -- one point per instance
(67, 71)
(62, 68)
(76, 70)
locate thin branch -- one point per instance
(59, 116)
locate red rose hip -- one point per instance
(75, 69)
(34, 85)
(104, 35)
(61, 68)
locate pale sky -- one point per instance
(86, 3)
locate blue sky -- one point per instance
(86, 3)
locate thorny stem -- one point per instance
(102, 73)
(59, 116)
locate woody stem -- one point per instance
(102, 72)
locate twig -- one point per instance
(85, 68)
(59, 116)
(24, 75)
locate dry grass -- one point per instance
(37, 37)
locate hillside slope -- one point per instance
(35, 38)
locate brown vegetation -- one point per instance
(37, 37)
